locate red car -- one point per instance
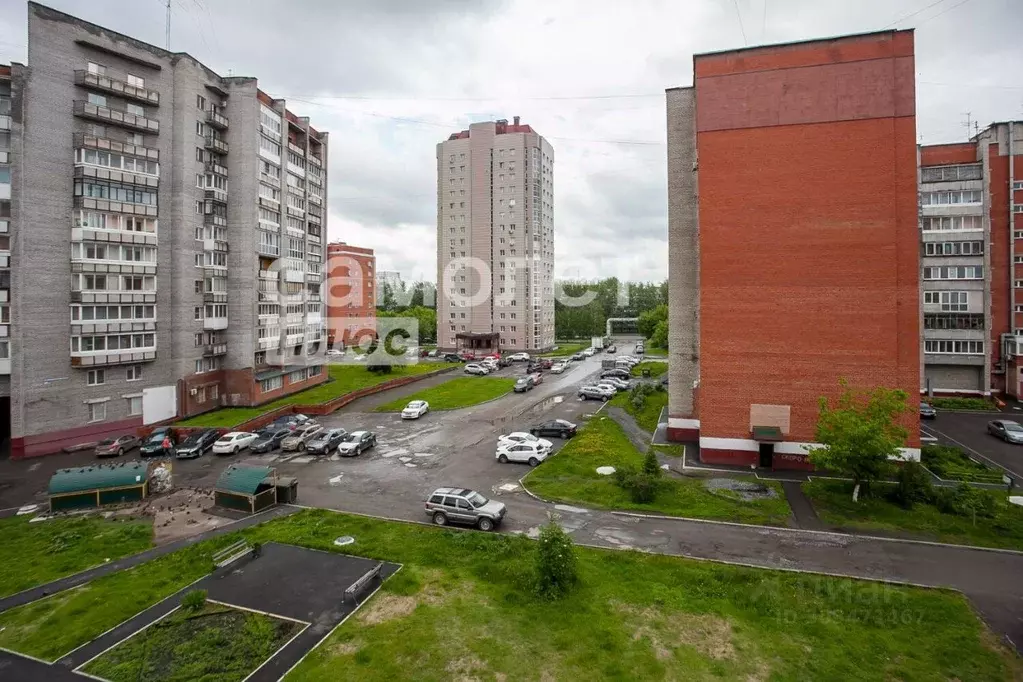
(537, 378)
(468, 357)
(546, 363)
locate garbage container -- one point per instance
(287, 490)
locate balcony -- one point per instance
(315, 199)
(93, 142)
(215, 168)
(214, 245)
(215, 144)
(217, 196)
(212, 219)
(118, 87)
(214, 323)
(313, 277)
(268, 342)
(296, 212)
(105, 115)
(111, 175)
(119, 357)
(93, 204)
(94, 296)
(213, 349)
(5, 122)
(295, 148)
(216, 120)
(314, 219)
(315, 160)
(271, 250)
(214, 297)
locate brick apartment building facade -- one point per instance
(971, 200)
(793, 241)
(171, 227)
(351, 293)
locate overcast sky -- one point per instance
(391, 78)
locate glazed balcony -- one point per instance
(216, 120)
(216, 144)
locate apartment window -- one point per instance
(134, 405)
(268, 192)
(136, 81)
(974, 321)
(956, 197)
(952, 223)
(197, 312)
(200, 102)
(973, 248)
(269, 146)
(97, 69)
(271, 384)
(134, 109)
(97, 412)
(954, 272)
(96, 377)
(135, 139)
(98, 100)
(951, 173)
(954, 347)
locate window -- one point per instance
(134, 109)
(954, 347)
(134, 373)
(200, 102)
(269, 146)
(954, 272)
(951, 173)
(98, 100)
(949, 223)
(974, 248)
(271, 384)
(97, 412)
(956, 197)
(950, 301)
(136, 81)
(96, 377)
(973, 321)
(134, 405)
(197, 312)
(97, 69)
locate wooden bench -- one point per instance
(232, 553)
(357, 587)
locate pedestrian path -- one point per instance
(802, 509)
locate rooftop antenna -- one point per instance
(168, 24)
(970, 124)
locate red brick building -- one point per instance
(351, 293)
(797, 262)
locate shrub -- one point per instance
(651, 467)
(641, 486)
(379, 369)
(965, 500)
(555, 562)
(914, 485)
(194, 600)
(962, 404)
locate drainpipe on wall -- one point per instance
(1012, 265)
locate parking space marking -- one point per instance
(935, 432)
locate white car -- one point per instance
(231, 443)
(531, 453)
(476, 368)
(334, 353)
(604, 383)
(590, 352)
(620, 384)
(559, 367)
(523, 437)
(415, 409)
(491, 365)
(519, 357)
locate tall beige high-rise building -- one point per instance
(495, 239)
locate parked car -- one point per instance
(1006, 429)
(232, 443)
(590, 352)
(452, 357)
(334, 353)
(467, 357)
(530, 453)
(556, 427)
(523, 384)
(504, 361)
(477, 369)
(546, 363)
(325, 441)
(356, 442)
(115, 447)
(537, 378)
(299, 437)
(640, 349)
(519, 357)
(524, 437)
(160, 442)
(927, 411)
(432, 354)
(291, 421)
(595, 393)
(611, 350)
(578, 357)
(197, 444)
(606, 383)
(559, 367)
(620, 384)
(415, 409)
(617, 373)
(461, 505)
(269, 439)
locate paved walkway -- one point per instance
(638, 437)
(802, 509)
(77, 579)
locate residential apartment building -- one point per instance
(971, 232)
(796, 264)
(495, 239)
(171, 251)
(351, 293)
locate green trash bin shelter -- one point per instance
(246, 488)
(98, 486)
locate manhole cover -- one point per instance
(344, 540)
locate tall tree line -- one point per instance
(574, 321)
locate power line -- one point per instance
(958, 4)
(741, 29)
(913, 14)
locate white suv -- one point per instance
(531, 453)
(474, 368)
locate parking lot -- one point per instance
(410, 460)
(968, 430)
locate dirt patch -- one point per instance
(748, 491)
(466, 669)
(709, 634)
(179, 514)
(387, 607)
(345, 648)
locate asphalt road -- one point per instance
(968, 430)
(413, 458)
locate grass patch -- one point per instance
(455, 393)
(45, 551)
(655, 352)
(570, 476)
(646, 416)
(962, 404)
(51, 627)
(833, 502)
(632, 616)
(344, 379)
(566, 348)
(952, 464)
(216, 643)
(656, 368)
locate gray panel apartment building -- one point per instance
(169, 226)
(495, 206)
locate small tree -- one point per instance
(651, 467)
(555, 562)
(194, 600)
(860, 435)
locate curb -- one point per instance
(661, 517)
(531, 493)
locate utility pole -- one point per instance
(168, 24)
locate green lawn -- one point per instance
(656, 368)
(345, 379)
(833, 502)
(45, 551)
(461, 608)
(984, 404)
(214, 643)
(570, 476)
(566, 348)
(455, 393)
(648, 416)
(952, 464)
(656, 352)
